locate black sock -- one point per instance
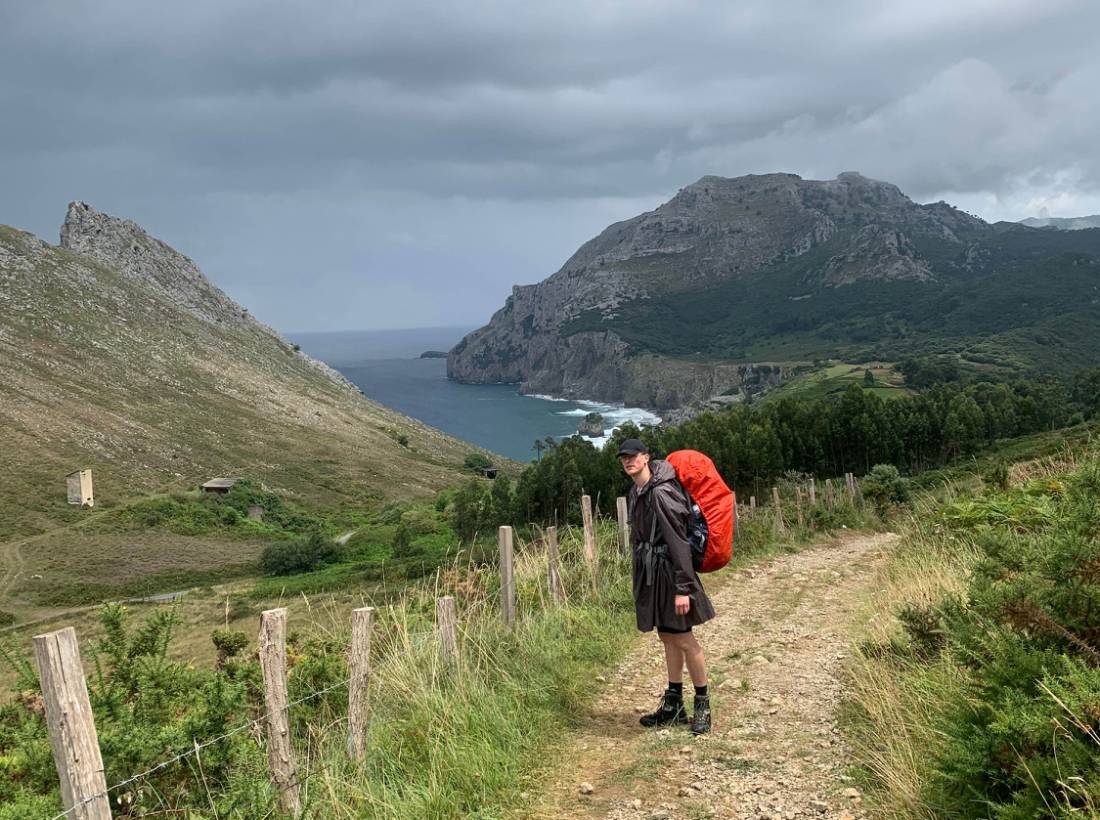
(700, 691)
(676, 688)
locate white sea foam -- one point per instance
(614, 415)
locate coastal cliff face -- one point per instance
(579, 333)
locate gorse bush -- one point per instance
(299, 555)
(476, 461)
(1005, 672)
(147, 708)
(884, 486)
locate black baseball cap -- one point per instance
(632, 446)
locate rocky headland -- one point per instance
(567, 336)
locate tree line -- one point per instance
(753, 445)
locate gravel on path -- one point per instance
(776, 653)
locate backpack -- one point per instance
(713, 520)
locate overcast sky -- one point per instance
(369, 164)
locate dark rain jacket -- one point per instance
(663, 570)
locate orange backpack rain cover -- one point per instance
(719, 506)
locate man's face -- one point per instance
(634, 464)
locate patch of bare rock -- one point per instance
(776, 653)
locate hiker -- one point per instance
(667, 593)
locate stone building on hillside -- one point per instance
(80, 488)
(219, 485)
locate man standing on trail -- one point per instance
(667, 593)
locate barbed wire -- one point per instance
(195, 750)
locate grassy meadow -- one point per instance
(834, 379)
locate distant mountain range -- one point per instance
(119, 355)
(1069, 223)
(735, 284)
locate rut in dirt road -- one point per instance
(775, 652)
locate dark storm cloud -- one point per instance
(388, 150)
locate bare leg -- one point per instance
(674, 657)
(692, 653)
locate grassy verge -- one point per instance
(975, 693)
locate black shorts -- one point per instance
(668, 630)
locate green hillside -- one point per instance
(123, 359)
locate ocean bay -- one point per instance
(385, 365)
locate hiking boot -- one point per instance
(700, 720)
(671, 711)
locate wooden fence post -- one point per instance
(71, 726)
(779, 525)
(589, 532)
(447, 623)
(507, 577)
(829, 494)
(798, 506)
(358, 681)
(849, 480)
(553, 577)
(624, 525)
(813, 493)
(752, 503)
(280, 753)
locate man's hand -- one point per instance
(683, 604)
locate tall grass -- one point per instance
(975, 690)
(895, 700)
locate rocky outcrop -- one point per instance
(591, 426)
(123, 246)
(712, 232)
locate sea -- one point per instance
(386, 366)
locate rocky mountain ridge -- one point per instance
(118, 354)
(729, 288)
(126, 247)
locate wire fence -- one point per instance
(477, 609)
(198, 747)
(82, 778)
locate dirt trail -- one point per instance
(12, 565)
(776, 651)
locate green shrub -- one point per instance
(205, 513)
(997, 475)
(299, 555)
(476, 461)
(147, 708)
(1019, 739)
(884, 486)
